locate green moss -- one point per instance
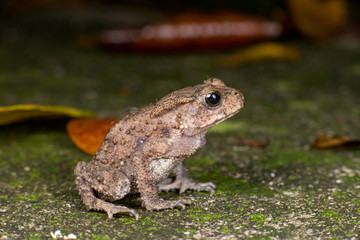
(224, 229)
(285, 85)
(35, 235)
(228, 127)
(123, 235)
(100, 237)
(34, 197)
(147, 220)
(355, 69)
(34, 175)
(351, 180)
(4, 197)
(330, 213)
(177, 230)
(258, 217)
(203, 217)
(283, 156)
(303, 105)
(96, 215)
(292, 177)
(227, 185)
(339, 195)
(231, 207)
(203, 162)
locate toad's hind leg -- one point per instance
(110, 192)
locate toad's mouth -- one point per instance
(205, 128)
(224, 118)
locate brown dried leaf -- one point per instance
(88, 133)
(252, 143)
(322, 142)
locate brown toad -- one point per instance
(144, 148)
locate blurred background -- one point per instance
(91, 54)
(335, 16)
(70, 38)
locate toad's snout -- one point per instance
(240, 96)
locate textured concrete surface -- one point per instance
(283, 191)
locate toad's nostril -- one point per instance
(237, 92)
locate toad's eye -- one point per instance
(213, 99)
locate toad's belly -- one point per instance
(161, 168)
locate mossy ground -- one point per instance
(285, 190)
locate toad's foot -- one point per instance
(164, 204)
(186, 183)
(112, 210)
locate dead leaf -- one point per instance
(318, 19)
(252, 143)
(193, 31)
(263, 51)
(18, 113)
(88, 133)
(124, 92)
(323, 142)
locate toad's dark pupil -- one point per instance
(213, 99)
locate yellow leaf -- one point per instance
(263, 51)
(335, 143)
(18, 113)
(319, 19)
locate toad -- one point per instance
(140, 151)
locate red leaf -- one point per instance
(193, 31)
(88, 133)
(252, 143)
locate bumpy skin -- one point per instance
(144, 148)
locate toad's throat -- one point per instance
(161, 168)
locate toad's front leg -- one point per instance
(147, 187)
(183, 182)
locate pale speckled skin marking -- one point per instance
(144, 148)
